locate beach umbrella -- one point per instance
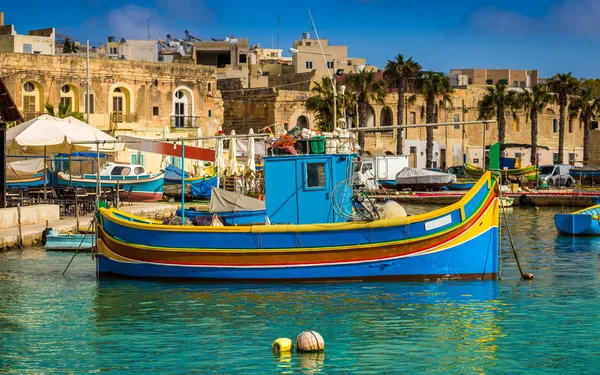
(219, 161)
(165, 159)
(79, 131)
(250, 163)
(232, 166)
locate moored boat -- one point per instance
(25, 174)
(463, 184)
(55, 241)
(582, 222)
(423, 179)
(530, 172)
(132, 180)
(456, 242)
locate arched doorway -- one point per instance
(302, 122)
(182, 109)
(120, 102)
(387, 117)
(69, 97)
(33, 99)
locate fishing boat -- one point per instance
(23, 174)
(530, 172)
(132, 179)
(463, 184)
(232, 208)
(307, 198)
(195, 187)
(423, 179)
(582, 222)
(55, 241)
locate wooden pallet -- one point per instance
(228, 183)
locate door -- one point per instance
(179, 114)
(118, 108)
(413, 157)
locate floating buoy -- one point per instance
(282, 345)
(528, 276)
(310, 341)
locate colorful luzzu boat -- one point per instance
(456, 242)
(583, 222)
(134, 183)
(530, 172)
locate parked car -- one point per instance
(556, 175)
(458, 171)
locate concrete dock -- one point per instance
(32, 234)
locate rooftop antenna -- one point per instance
(148, 27)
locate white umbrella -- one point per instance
(219, 162)
(232, 167)
(197, 168)
(79, 131)
(250, 163)
(165, 159)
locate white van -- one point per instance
(556, 175)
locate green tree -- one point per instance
(585, 106)
(535, 101)
(67, 47)
(321, 104)
(495, 102)
(436, 89)
(366, 90)
(402, 74)
(563, 85)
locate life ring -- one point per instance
(524, 200)
(45, 235)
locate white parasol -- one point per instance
(165, 159)
(219, 162)
(250, 163)
(232, 167)
(197, 166)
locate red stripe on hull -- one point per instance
(141, 196)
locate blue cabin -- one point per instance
(298, 188)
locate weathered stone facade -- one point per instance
(129, 97)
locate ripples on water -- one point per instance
(73, 325)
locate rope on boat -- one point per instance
(526, 275)
(81, 243)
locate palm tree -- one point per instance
(563, 85)
(321, 103)
(586, 105)
(434, 87)
(495, 102)
(64, 110)
(403, 73)
(534, 102)
(366, 89)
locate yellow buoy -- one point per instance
(310, 341)
(282, 345)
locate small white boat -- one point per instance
(423, 179)
(506, 201)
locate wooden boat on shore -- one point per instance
(530, 172)
(423, 179)
(132, 180)
(463, 184)
(24, 174)
(586, 175)
(54, 241)
(310, 241)
(582, 222)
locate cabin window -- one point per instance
(315, 175)
(120, 171)
(138, 170)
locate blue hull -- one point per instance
(462, 261)
(36, 181)
(231, 218)
(577, 224)
(147, 189)
(462, 185)
(69, 242)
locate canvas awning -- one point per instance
(226, 201)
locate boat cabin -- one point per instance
(123, 169)
(302, 189)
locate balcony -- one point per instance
(182, 121)
(120, 117)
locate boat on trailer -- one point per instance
(582, 222)
(308, 237)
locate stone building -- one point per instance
(39, 42)
(512, 78)
(126, 97)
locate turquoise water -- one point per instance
(50, 324)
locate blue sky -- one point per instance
(552, 36)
